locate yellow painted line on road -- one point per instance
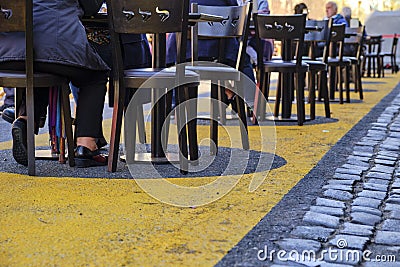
(112, 222)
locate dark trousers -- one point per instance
(92, 84)
(9, 99)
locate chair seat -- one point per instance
(18, 79)
(284, 66)
(215, 73)
(337, 61)
(371, 55)
(386, 54)
(353, 60)
(315, 65)
(158, 78)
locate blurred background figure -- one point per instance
(301, 8)
(331, 10)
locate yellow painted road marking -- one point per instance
(111, 222)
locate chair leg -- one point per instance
(221, 106)
(340, 82)
(358, 80)
(347, 82)
(119, 96)
(130, 134)
(68, 123)
(278, 95)
(323, 92)
(311, 94)
(214, 120)
(30, 131)
(242, 117)
(192, 95)
(141, 124)
(300, 100)
(182, 133)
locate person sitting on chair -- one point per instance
(66, 52)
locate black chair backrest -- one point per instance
(374, 44)
(355, 37)
(323, 35)
(284, 28)
(337, 40)
(235, 25)
(153, 17)
(143, 16)
(394, 44)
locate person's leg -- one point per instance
(10, 95)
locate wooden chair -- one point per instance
(157, 18)
(286, 29)
(337, 64)
(234, 26)
(391, 55)
(323, 35)
(17, 16)
(372, 55)
(355, 38)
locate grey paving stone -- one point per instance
(381, 156)
(363, 149)
(343, 187)
(344, 256)
(389, 147)
(358, 163)
(330, 203)
(349, 241)
(356, 229)
(372, 194)
(363, 153)
(359, 158)
(317, 233)
(395, 191)
(349, 171)
(346, 176)
(321, 219)
(341, 182)
(327, 264)
(382, 168)
(299, 245)
(393, 200)
(328, 210)
(380, 264)
(366, 202)
(376, 187)
(387, 238)
(391, 225)
(396, 184)
(378, 181)
(364, 218)
(385, 162)
(380, 172)
(388, 153)
(390, 207)
(369, 210)
(338, 194)
(354, 167)
(394, 214)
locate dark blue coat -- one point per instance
(59, 37)
(207, 48)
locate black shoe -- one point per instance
(19, 149)
(9, 114)
(4, 106)
(84, 157)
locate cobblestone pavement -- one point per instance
(354, 220)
